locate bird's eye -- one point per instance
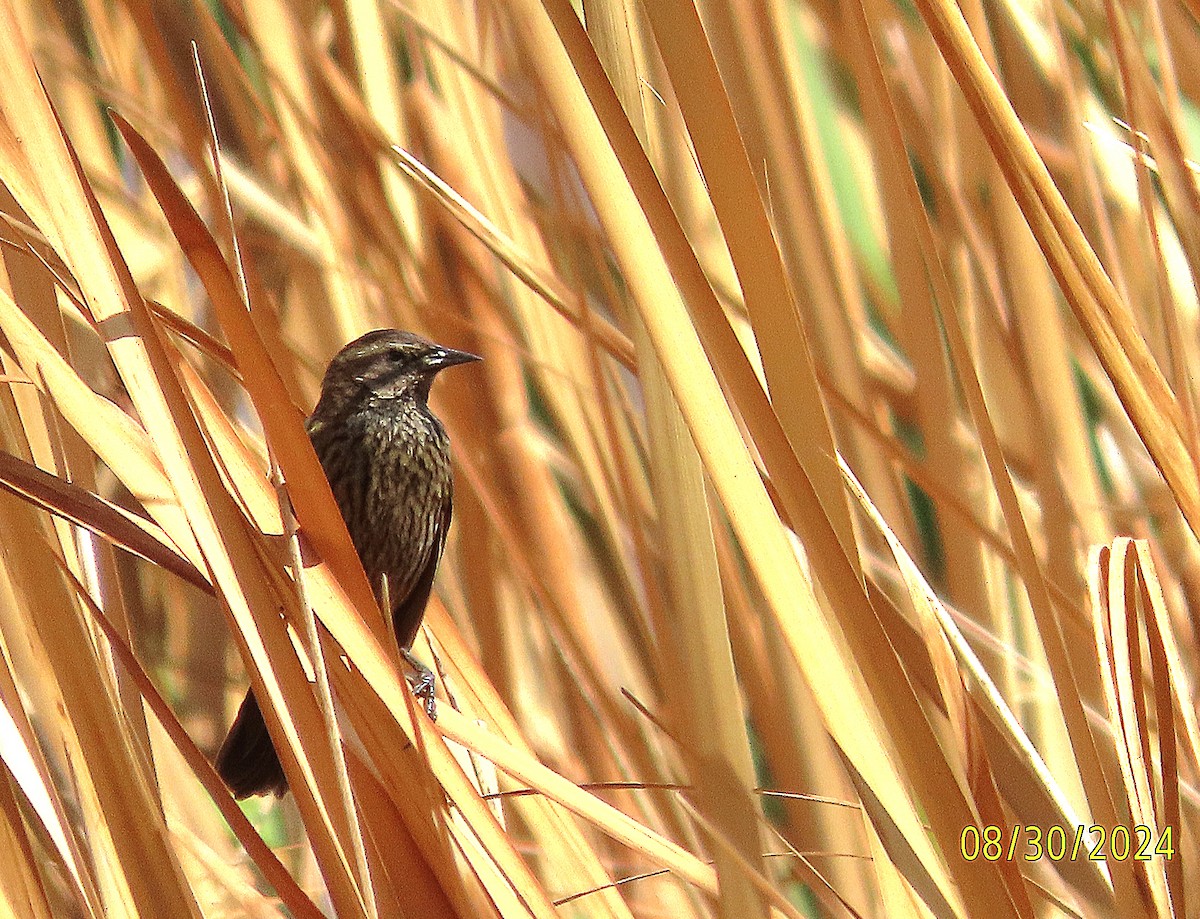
(397, 357)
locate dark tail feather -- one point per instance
(247, 761)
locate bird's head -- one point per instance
(382, 365)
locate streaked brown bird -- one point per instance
(387, 458)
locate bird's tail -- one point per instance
(247, 760)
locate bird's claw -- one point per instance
(423, 689)
(423, 684)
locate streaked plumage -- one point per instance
(387, 459)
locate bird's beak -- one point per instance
(441, 358)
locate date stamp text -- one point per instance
(1095, 843)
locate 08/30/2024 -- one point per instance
(1096, 843)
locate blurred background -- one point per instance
(826, 503)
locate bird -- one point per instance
(387, 459)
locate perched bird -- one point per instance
(387, 459)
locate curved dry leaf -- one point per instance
(113, 435)
(83, 508)
(284, 424)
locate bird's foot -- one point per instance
(423, 683)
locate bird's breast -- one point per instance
(390, 475)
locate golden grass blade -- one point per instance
(969, 754)
(835, 687)
(169, 421)
(21, 892)
(275, 30)
(284, 423)
(727, 851)
(1057, 651)
(506, 250)
(770, 198)
(130, 532)
(696, 636)
(1121, 579)
(757, 260)
(363, 648)
(474, 831)
(1021, 773)
(566, 847)
(622, 828)
(1117, 342)
(124, 825)
(273, 870)
(405, 873)
(1163, 658)
(27, 762)
(110, 432)
(219, 527)
(378, 78)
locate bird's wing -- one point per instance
(408, 613)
